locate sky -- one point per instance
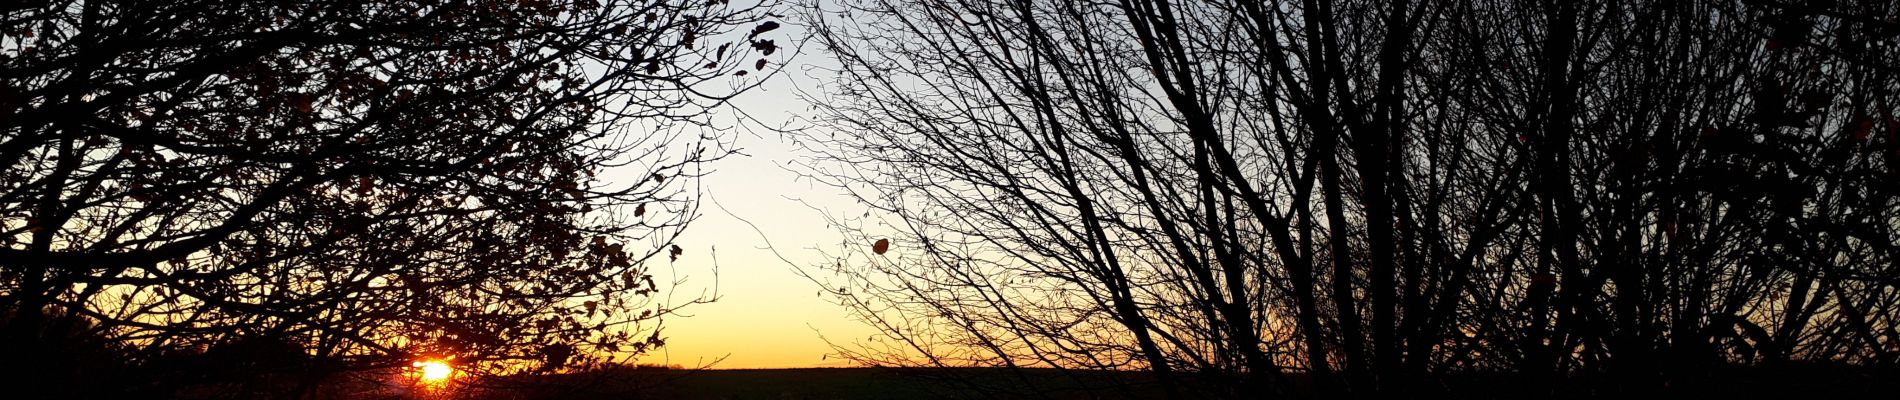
(766, 315)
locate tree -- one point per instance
(365, 183)
(1369, 192)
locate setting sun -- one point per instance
(433, 371)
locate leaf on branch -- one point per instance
(765, 47)
(763, 27)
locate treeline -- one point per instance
(1369, 193)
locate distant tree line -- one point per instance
(1367, 193)
(243, 198)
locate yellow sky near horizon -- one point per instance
(766, 315)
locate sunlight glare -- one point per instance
(434, 371)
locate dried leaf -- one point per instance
(765, 47)
(764, 27)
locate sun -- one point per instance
(434, 371)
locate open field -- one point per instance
(849, 383)
(1796, 382)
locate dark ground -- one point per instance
(1791, 382)
(846, 384)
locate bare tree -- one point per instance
(1371, 192)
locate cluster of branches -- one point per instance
(1368, 192)
(203, 186)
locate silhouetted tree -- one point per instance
(361, 183)
(1372, 192)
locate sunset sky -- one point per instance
(767, 316)
(902, 199)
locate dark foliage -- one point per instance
(223, 190)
